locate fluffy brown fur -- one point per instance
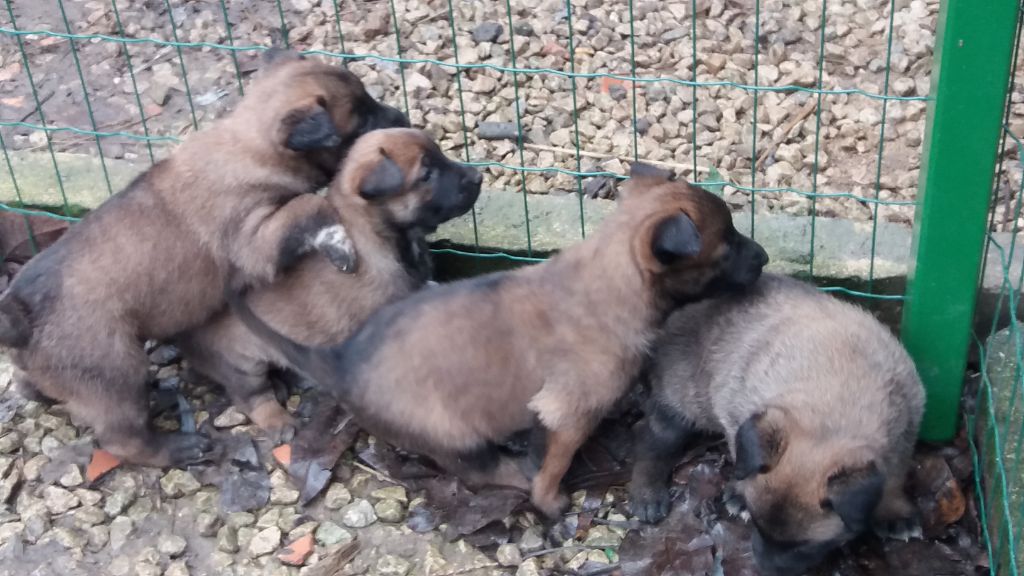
(394, 188)
(154, 259)
(455, 370)
(820, 405)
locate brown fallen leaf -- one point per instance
(335, 562)
(296, 553)
(101, 463)
(283, 455)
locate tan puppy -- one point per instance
(394, 188)
(820, 405)
(154, 259)
(455, 370)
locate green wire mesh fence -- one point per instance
(995, 423)
(576, 118)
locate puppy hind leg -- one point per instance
(122, 427)
(660, 440)
(562, 445)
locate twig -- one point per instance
(156, 59)
(780, 135)
(601, 156)
(378, 474)
(35, 110)
(559, 549)
(469, 569)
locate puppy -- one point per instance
(394, 188)
(820, 405)
(153, 260)
(455, 370)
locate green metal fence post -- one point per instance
(969, 82)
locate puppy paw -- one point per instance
(904, 529)
(650, 504)
(551, 506)
(735, 506)
(334, 242)
(187, 449)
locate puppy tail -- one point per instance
(15, 326)
(298, 355)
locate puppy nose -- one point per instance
(760, 256)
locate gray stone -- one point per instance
(532, 539)
(59, 500)
(487, 32)
(358, 514)
(177, 568)
(509, 555)
(11, 530)
(281, 491)
(391, 565)
(391, 493)
(207, 524)
(265, 542)
(120, 529)
(69, 538)
(177, 483)
(497, 131)
(172, 545)
(230, 418)
(337, 496)
(602, 537)
(530, 567)
(329, 534)
(238, 519)
(72, 477)
(98, 537)
(390, 511)
(227, 539)
(89, 516)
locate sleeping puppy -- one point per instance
(454, 371)
(154, 259)
(395, 187)
(820, 405)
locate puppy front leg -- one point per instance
(272, 239)
(660, 440)
(562, 444)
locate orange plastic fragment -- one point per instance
(283, 454)
(101, 463)
(296, 553)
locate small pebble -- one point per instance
(337, 496)
(329, 534)
(265, 542)
(487, 32)
(171, 545)
(358, 514)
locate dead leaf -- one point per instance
(938, 495)
(296, 553)
(316, 449)
(101, 463)
(466, 512)
(336, 561)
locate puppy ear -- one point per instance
(674, 238)
(854, 493)
(386, 179)
(759, 445)
(646, 171)
(310, 129)
(276, 55)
